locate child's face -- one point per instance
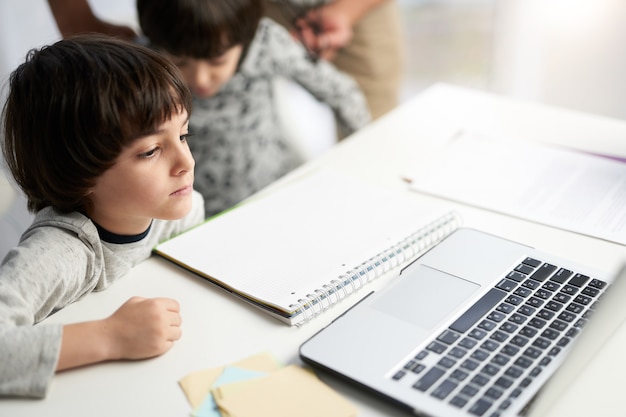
(205, 77)
(151, 178)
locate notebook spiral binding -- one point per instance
(399, 254)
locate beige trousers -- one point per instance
(374, 57)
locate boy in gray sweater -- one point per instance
(230, 56)
(95, 134)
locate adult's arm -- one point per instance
(75, 16)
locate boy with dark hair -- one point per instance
(230, 56)
(95, 134)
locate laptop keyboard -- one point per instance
(485, 359)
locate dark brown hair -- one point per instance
(201, 29)
(74, 105)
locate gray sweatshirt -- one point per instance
(60, 259)
(238, 142)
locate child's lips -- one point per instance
(182, 191)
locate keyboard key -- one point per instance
(526, 310)
(543, 293)
(541, 343)
(490, 345)
(436, 347)
(469, 364)
(562, 297)
(514, 299)
(516, 276)
(478, 310)
(500, 360)
(444, 389)
(519, 341)
(429, 378)
(398, 375)
(554, 306)
(480, 407)
(551, 286)
(459, 375)
(583, 299)
(457, 352)
(467, 343)
(448, 337)
(591, 291)
(523, 362)
(487, 325)
(561, 276)
(570, 289)
(490, 369)
(503, 382)
(480, 380)
(510, 350)
(537, 323)
(446, 362)
(523, 292)
(421, 355)
(513, 372)
(531, 283)
(469, 390)
(493, 393)
(531, 262)
(528, 331)
(597, 283)
(550, 334)
(532, 353)
(477, 334)
(578, 280)
(506, 285)
(545, 314)
(543, 272)
(558, 325)
(574, 308)
(505, 308)
(480, 355)
(509, 327)
(458, 401)
(499, 336)
(517, 318)
(524, 269)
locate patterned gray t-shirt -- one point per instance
(237, 140)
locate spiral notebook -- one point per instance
(312, 243)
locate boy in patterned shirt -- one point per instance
(230, 56)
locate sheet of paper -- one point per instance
(571, 190)
(230, 375)
(197, 385)
(290, 391)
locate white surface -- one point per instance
(218, 328)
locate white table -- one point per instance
(219, 329)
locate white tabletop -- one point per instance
(219, 329)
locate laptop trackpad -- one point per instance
(424, 296)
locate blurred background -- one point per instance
(567, 53)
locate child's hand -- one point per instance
(143, 328)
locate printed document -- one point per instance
(563, 188)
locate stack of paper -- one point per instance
(258, 386)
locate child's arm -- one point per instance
(140, 328)
(274, 52)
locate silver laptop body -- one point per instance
(476, 326)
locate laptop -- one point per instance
(475, 327)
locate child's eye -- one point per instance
(184, 137)
(149, 154)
